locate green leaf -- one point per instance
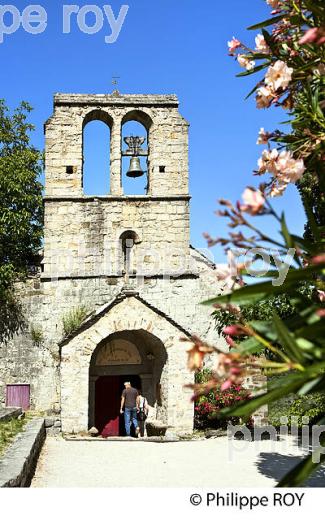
(252, 293)
(255, 69)
(300, 473)
(248, 407)
(285, 232)
(309, 387)
(250, 346)
(307, 245)
(286, 340)
(252, 92)
(269, 21)
(318, 10)
(269, 40)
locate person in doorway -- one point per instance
(142, 413)
(130, 407)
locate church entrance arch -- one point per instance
(131, 355)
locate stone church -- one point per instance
(125, 262)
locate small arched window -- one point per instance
(96, 153)
(128, 240)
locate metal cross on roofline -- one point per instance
(115, 84)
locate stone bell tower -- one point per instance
(83, 234)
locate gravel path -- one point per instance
(201, 463)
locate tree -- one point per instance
(20, 197)
(293, 55)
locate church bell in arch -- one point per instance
(135, 169)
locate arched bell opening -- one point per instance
(96, 143)
(135, 152)
(136, 356)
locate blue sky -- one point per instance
(164, 47)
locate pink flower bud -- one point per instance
(233, 45)
(230, 341)
(233, 330)
(227, 384)
(314, 35)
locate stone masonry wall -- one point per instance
(82, 238)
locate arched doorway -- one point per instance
(131, 355)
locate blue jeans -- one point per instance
(130, 416)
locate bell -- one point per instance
(135, 169)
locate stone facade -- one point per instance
(151, 297)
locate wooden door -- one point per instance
(18, 396)
(107, 405)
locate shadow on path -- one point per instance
(275, 465)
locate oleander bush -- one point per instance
(288, 58)
(207, 406)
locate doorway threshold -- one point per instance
(76, 438)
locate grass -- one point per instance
(74, 319)
(36, 333)
(9, 430)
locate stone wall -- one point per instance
(18, 463)
(9, 413)
(83, 237)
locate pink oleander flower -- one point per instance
(228, 273)
(230, 341)
(278, 189)
(233, 45)
(197, 353)
(264, 97)
(226, 385)
(288, 168)
(245, 62)
(285, 168)
(273, 3)
(278, 75)
(224, 273)
(319, 259)
(268, 161)
(314, 35)
(231, 368)
(321, 296)
(263, 137)
(253, 201)
(234, 330)
(261, 44)
(282, 165)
